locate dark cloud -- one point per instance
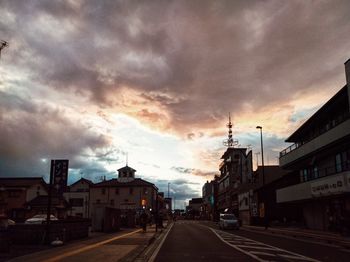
(199, 59)
(31, 135)
(189, 62)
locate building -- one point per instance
(235, 169)
(78, 196)
(126, 193)
(15, 192)
(209, 195)
(39, 205)
(194, 207)
(262, 194)
(320, 159)
(168, 204)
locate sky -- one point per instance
(97, 81)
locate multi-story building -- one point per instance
(194, 207)
(168, 204)
(235, 169)
(126, 193)
(78, 196)
(209, 194)
(320, 158)
(262, 194)
(16, 192)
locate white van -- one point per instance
(228, 221)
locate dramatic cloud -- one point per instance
(176, 67)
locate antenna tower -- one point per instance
(230, 142)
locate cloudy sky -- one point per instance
(92, 81)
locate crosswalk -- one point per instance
(259, 251)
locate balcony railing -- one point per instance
(320, 131)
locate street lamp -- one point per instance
(262, 155)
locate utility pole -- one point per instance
(3, 44)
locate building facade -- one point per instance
(209, 195)
(128, 194)
(320, 158)
(78, 196)
(16, 192)
(235, 169)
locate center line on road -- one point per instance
(77, 251)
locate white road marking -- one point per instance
(235, 247)
(263, 253)
(154, 255)
(230, 239)
(256, 247)
(292, 257)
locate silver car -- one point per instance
(228, 221)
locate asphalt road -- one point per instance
(191, 241)
(309, 249)
(200, 241)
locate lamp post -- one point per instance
(262, 155)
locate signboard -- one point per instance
(329, 186)
(60, 175)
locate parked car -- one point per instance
(39, 219)
(228, 221)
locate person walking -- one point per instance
(143, 221)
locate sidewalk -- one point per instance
(305, 234)
(124, 245)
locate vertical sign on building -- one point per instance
(60, 175)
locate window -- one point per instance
(98, 201)
(14, 194)
(112, 202)
(117, 191)
(103, 191)
(131, 191)
(145, 191)
(315, 172)
(338, 163)
(304, 175)
(76, 202)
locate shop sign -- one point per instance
(329, 186)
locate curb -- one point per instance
(151, 248)
(141, 253)
(139, 250)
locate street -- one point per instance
(203, 241)
(190, 241)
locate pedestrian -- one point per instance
(143, 220)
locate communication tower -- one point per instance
(230, 142)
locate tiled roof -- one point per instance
(127, 168)
(115, 182)
(20, 181)
(41, 201)
(83, 179)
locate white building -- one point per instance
(78, 197)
